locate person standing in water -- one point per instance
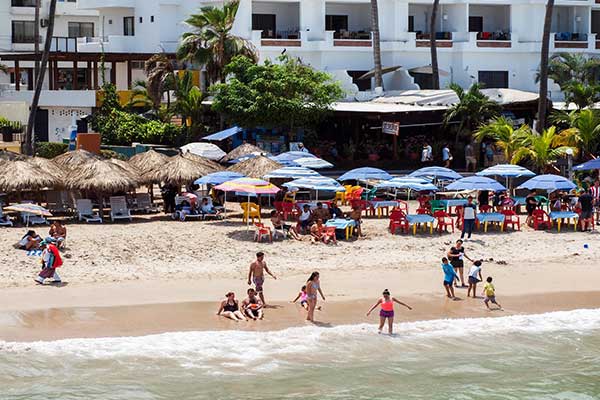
(387, 310)
(256, 274)
(313, 287)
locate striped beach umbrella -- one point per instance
(291, 172)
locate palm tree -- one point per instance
(140, 97)
(376, 44)
(563, 68)
(584, 131)
(543, 98)
(504, 135)
(29, 142)
(435, 72)
(541, 149)
(581, 94)
(4, 68)
(211, 43)
(160, 73)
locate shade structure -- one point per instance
(208, 150)
(548, 182)
(177, 171)
(243, 150)
(404, 182)
(316, 183)
(364, 174)
(435, 173)
(7, 155)
(477, 183)
(248, 185)
(148, 160)
(291, 172)
(506, 171)
(73, 159)
(212, 165)
(101, 176)
(312, 162)
(290, 156)
(48, 166)
(20, 175)
(224, 134)
(29, 208)
(243, 158)
(256, 167)
(216, 178)
(588, 165)
(133, 171)
(370, 74)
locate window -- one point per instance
(494, 79)
(411, 23)
(138, 65)
(141, 20)
(336, 23)
(475, 24)
(265, 23)
(425, 81)
(81, 29)
(128, 26)
(152, 18)
(22, 3)
(23, 31)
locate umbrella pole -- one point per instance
(248, 217)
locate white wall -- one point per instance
(421, 14)
(521, 17)
(495, 18)
(359, 15)
(287, 14)
(457, 18)
(59, 120)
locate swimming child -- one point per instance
(387, 310)
(474, 278)
(490, 294)
(449, 277)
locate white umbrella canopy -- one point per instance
(208, 150)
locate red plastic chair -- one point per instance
(262, 231)
(511, 218)
(289, 209)
(402, 205)
(398, 221)
(444, 220)
(423, 211)
(329, 234)
(364, 205)
(356, 194)
(541, 218)
(485, 208)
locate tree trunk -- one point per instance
(543, 97)
(36, 45)
(376, 44)
(40, 79)
(435, 72)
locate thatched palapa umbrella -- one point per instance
(242, 150)
(177, 171)
(19, 175)
(48, 166)
(148, 160)
(71, 160)
(256, 167)
(132, 170)
(213, 166)
(7, 155)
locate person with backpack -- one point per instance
(51, 260)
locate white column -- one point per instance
(312, 19)
(243, 20)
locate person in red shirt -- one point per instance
(51, 260)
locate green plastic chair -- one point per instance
(543, 202)
(437, 205)
(369, 194)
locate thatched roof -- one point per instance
(7, 155)
(213, 166)
(127, 166)
(149, 160)
(256, 167)
(102, 176)
(73, 159)
(242, 150)
(48, 166)
(22, 175)
(178, 170)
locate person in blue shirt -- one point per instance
(449, 277)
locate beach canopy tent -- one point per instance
(22, 175)
(410, 183)
(212, 165)
(439, 173)
(216, 178)
(291, 173)
(224, 134)
(245, 149)
(312, 162)
(177, 171)
(316, 183)
(476, 183)
(549, 182)
(365, 174)
(506, 171)
(256, 167)
(148, 160)
(588, 165)
(290, 156)
(208, 150)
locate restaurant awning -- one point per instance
(223, 134)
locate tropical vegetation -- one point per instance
(503, 133)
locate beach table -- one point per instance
(454, 203)
(485, 218)
(383, 205)
(417, 219)
(560, 216)
(347, 225)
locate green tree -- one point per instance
(288, 94)
(189, 104)
(211, 42)
(541, 149)
(504, 135)
(472, 110)
(583, 131)
(3, 68)
(140, 97)
(161, 76)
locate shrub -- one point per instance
(108, 154)
(123, 128)
(49, 149)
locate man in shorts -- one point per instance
(256, 274)
(586, 202)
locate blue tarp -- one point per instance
(223, 134)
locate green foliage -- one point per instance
(505, 137)
(577, 76)
(50, 149)
(287, 94)
(108, 154)
(12, 126)
(472, 110)
(123, 128)
(541, 150)
(582, 129)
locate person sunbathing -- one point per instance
(58, 232)
(208, 208)
(30, 241)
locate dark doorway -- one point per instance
(336, 23)
(128, 26)
(411, 23)
(475, 24)
(425, 81)
(494, 79)
(41, 125)
(363, 84)
(267, 23)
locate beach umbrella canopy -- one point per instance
(148, 160)
(588, 165)
(435, 173)
(7, 155)
(73, 159)
(548, 182)
(255, 167)
(411, 183)
(312, 162)
(291, 172)
(242, 150)
(364, 174)
(101, 176)
(290, 156)
(315, 183)
(208, 150)
(249, 186)
(244, 158)
(476, 183)
(212, 165)
(29, 208)
(19, 175)
(133, 171)
(178, 170)
(506, 171)
(216, 178)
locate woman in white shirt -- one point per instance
(305, 218)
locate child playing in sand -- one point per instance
(474, 278)
(387, 310)
(490, 294)
(303, 299)
(449, 277)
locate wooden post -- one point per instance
(113, 73)
(129, 80)
(88, 75)
(17, 76)
(50, 75)
(95, 75)
(55, 75)
(75, 75)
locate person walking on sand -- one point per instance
(51, 260)
(474, 278)
(456, 254)
(256, 274)
(387, 310)
(468, 215)
(230, 308)
(449, 277)
(313, 288)
(253, 306)
(490, 294)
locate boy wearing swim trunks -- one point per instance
(256, 274)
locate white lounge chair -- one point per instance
(118, 208)
(144, 203)
(85, 211)
(183, 216)
(4, 219)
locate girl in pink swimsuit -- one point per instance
(387, 310)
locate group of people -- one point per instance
(57, 234)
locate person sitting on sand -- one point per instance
(387, 310)
(336, 211)
(320, 213)
(29, 241)
(58, 232)
(207, 208)
(279, 224)
(356, 215)
(230, 308)
(253, 306)
(316, 231)
(490, 294)
(449, 277)
(305, 218)
(474, 278)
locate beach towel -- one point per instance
(34, 253)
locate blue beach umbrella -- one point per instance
(436, 173)
(289, 156)
(364, 174)
(476, 183)
(548, 182)
(506, 171)
(216, 178)
(316, 183)
(312, 162)
(407, 182)
(291, 172)
(588, 165)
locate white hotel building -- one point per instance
(485, 41)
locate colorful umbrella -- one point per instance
(248, 186)
(29, 208)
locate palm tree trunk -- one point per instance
(40, 80)
(543, 97)
(435, 72)
(36, 43)
(376, 44)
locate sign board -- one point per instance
(391, 128)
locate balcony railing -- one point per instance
(22, 3)
(352, 35)
(288, 35)
(570, 37)
(64, 45)
(493, 35)
(438, 36)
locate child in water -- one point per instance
(387, 310)
(303, 298)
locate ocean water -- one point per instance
(546, 356)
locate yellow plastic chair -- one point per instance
(251, 210)
(290, 197)
(347, 193)
(341, 197)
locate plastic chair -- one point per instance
(541, 218)
(362, 204)
(423, 211)
(329, 234)
(437, 205)
(398, 221)
(355, 194)
(368, 194)
(543, 202)
(262, 231)
(444, 220)
(340, 197)
(485, 208)
(402, 205)
(511, 218)
(289, 197)
(250, 210)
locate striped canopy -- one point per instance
(291, 156)
(316, 183)
(506, 171)
(291, 172)
(476, 183)
(312, 162)
(436, 173)
(29, 208)
(248, 186)
(406, 182)
(365, 173)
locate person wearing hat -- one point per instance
(51, 260)
(387, 310)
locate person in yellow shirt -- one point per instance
(490, 294)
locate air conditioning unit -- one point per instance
(44, 22)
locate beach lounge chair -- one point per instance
(144, 203)
(262, 231)
(58, 201)
(511, 218)
(118, 208)
(398, 221)
(444, 220)
(180, 214)
(215, 212)
(4, 219)
(85, 211)
(250, 210)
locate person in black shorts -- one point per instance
(456, 255)
(586, 202)
(531, 204)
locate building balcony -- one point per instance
(351, 39)
(64, 44)
(442, 39)
(493, 39)
(99, 4)
(570, 40)
(277, 39)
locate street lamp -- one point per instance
(570, 163)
